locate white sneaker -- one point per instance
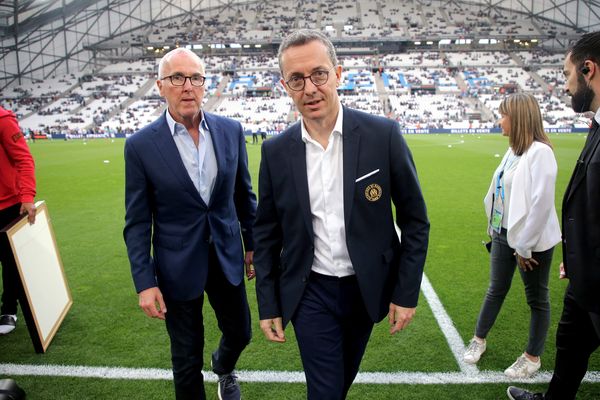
(523, 368)
(474, 351)
(7, 323)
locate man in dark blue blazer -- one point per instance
(188, 196)
(327, 254)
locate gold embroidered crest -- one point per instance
(373, 192)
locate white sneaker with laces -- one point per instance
(523, 368)
(474, 351)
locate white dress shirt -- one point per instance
(324, 170)
(200, 162)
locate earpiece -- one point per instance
(585, 69)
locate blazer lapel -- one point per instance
(167, 148)
(298, 165)
(218, 141)
(582, 163)
(351, 140)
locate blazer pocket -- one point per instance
(387, 256)
(365, 176)
(234, 228)
(169, 242)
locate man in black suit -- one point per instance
(327, 255)
(578, 334)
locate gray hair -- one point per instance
(167, 57)
(305, 36)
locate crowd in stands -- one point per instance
(434, 89)
(410, 19)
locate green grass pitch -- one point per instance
(105, 327)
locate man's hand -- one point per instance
(562, 274)
(273, 329)
(399, 317)
(152, 303)
(29, 209)
(248, 260)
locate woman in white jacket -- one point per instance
(524, 227)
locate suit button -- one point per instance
(303, 279)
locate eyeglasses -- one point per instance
(179, 79)
(318, 78)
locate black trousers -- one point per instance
(577, 337)
(332, 327)
(185, 326)
(10, 276)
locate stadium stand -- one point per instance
(442, 83)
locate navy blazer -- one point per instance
(165, 210)
(581, 226)
(386, 270)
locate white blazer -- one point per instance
(532, 220)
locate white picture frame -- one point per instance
(47, 297)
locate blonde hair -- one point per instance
(526, 124)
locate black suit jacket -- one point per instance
(581, 226)
(386, 270)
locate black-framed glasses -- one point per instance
(179, 79)
(318, 78)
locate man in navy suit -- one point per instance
(578, 333)
(327, 254)
(187, 196)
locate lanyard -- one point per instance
(498, 199)
(500, 177)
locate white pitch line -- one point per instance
(423, 378)
(453, 338)
(469, 374)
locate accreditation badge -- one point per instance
(497, 213)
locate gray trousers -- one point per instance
(502, 268)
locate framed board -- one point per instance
(46, 297)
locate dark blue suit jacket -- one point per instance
(164, 209)
(387, 270)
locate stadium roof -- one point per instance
(42, 37)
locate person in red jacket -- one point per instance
(17, 191)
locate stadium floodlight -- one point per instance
(166, 47)
(149, 48)
(430, 42)
(235, 46)
(417, 43)
(197, 47)
(246, 46)
(445, 42)
(258, 46)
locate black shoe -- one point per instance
(8, 323)
(515, 393)
(228, 387)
